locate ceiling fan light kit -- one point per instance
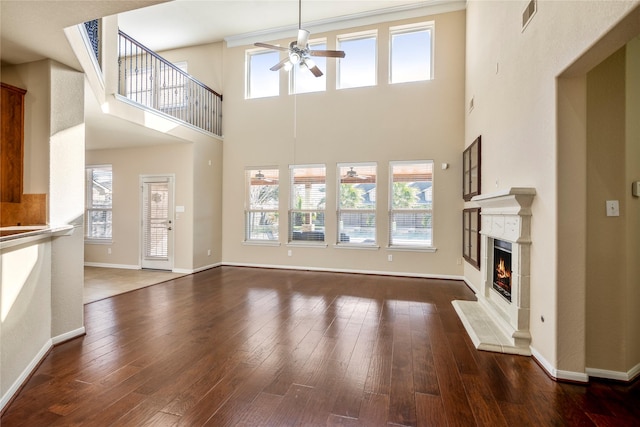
(298, 52)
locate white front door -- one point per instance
(157, 222)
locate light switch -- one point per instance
(613, 208)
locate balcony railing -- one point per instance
(148, 79)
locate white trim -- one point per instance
(261, 243)
(630, 375)
(105, 265)
(310, 244)
(183, 270)
(345, 270)
(580, 377)
(426, 8)
(206, 267)
(24, 376)
(346, 245)
(68, 336)
(470, 285)
(412, 248)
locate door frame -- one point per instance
(150, 178)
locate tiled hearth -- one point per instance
(493, 322)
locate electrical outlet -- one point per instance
(108, 251)
(289, 252)
(459, 261)
(389, 257)
(209, 252)
(613, 208)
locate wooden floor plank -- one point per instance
(263, 347)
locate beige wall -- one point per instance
(613, 160)
(413, 121)
(528, 120)
(128, 164)
(42, 281)
(606, 248)
(632, 211)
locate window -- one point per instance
(471, 236)
(357, 203)
(411, 53)
(411, 200)
(303, 80)
(307, 205)
(261, 205)
(261, 81)
(358, 68)
(98, 212)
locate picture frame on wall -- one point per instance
(471, 163)
(471, 236)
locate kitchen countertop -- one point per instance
(10, 236)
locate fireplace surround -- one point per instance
(499, 319)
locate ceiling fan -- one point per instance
(299, 52)
(352, 174)
(261, 177)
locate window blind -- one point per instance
(357, 203)
(307, 203)
(261, 204)
(411, 204)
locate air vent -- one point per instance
(528, 13)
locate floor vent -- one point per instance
(528, 13)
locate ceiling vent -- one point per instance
(528, 13)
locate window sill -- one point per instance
(261, 243)
(301, 244)
(357, 246)
(412, 248)
(98, 241)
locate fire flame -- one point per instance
(501, 271)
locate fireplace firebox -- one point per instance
(502, 268)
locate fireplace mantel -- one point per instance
(493, 322)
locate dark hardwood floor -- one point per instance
(251, 347)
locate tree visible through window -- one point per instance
(307, 203)
(357, 203)
(262, 202)
(411, 204)
(98, 210)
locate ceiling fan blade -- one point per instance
(316, 71)
(270, 46)
(280, 64)
(303, 38)
(328, 53)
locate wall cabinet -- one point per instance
(11, 143)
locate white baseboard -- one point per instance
(470, 285)
(6, 398)
(345, 270)
(579, 377)
(206, 267)
(104, 265)
(68, 336)
(630, 375)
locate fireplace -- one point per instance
(502, 268)
(499, 319)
